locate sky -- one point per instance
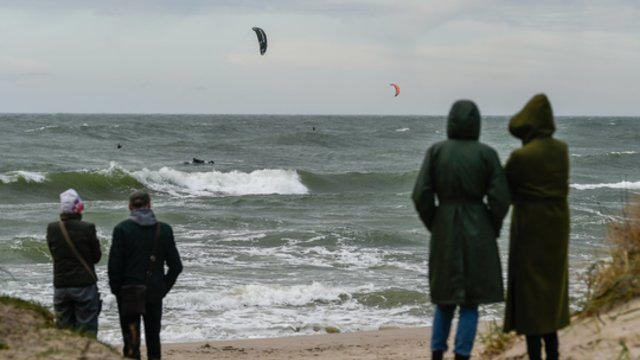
(324, 56)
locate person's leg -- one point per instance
(466, 333)
(551, 345)
(533, 347)
(87, 309)
(63, 309)
(152, 325)
(130, 326)
(441, 327)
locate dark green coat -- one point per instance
(461, 197)
(538, 177)
(131, 246)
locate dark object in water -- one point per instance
(119, 146)
(200, 161)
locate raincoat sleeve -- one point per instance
(498, 193)
(512, 170)
(424, 192)
(172, 258)
(115, 266)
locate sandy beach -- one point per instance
(611, 335)
(407, 343)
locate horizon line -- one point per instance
(291, 114)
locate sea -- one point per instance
(291, 225)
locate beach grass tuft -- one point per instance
(617, 279)
(494, 341)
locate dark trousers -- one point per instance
(130, 326)
(534, 345)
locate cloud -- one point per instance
(12, 67)
(320, 55)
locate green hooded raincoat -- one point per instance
(461, 196)
(538, 177)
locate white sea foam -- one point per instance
(28, 176)
(405, 129)
(42, 128)
(236, 183)
(612, 153)
(620, 185)
(623, 152)
(262, 295)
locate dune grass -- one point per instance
(29, 306)
(617, 280)
(494, 341)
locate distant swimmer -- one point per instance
(197, 161)
(314, 128)
(119, 146)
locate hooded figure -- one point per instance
(461, 196)
(143, 252)
(538, 177)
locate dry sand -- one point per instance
(389, 344)
(612, 335)
(411, 343)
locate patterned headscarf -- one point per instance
(70, 202)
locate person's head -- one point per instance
(463, 122)
(70, 203)
(534, 120)
(139, 199)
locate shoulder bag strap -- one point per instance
(153, 257)
(65, 234)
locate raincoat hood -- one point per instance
(535, 120)
(464, 121)
(143, 217)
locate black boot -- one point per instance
(436, 355)
(462, 357)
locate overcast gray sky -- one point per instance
(324, 57)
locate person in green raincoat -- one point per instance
(538, 176)
(461, 196)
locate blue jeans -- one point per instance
(77, 308)
(466, 333)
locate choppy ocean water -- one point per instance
(301, 222)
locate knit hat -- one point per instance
(70, 202)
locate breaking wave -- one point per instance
(629, 185)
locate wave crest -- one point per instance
(22, 176)
(258, 182)
(621, 185)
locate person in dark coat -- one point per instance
(76, 300)
(461, 196)
(131, 247)
(538, 281)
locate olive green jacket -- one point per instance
(461, 196)
(538, 177)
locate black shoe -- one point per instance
(462, 357)
(436, 355)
